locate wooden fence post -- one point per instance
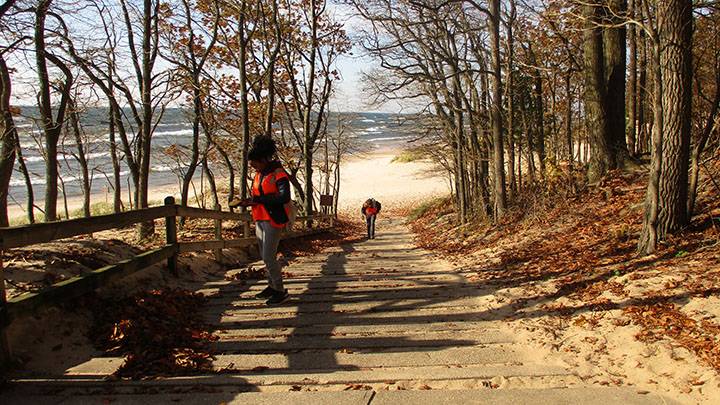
(5, 353)
(246, 228)
(171, 236)
(218, 235)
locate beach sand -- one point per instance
(397, 185)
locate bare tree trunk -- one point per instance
(510, 97)
(675, 23)
(28, 183)
(243, 44)
(642, 137)
(649, 236)
(568, 118)
(51, 125)
(308, 138)
(146, 229)
(496, 115)
(211, 182)
(615, 56)
(702, 142)
(605, 88)
(75, 122)
(9, 141)
(195, 146)
(117, 184)
(632, 83)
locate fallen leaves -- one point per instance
(661, 320)
(160, 332)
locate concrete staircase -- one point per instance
(379, 322)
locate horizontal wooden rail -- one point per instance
(192, 212)
(32, 234)
(74, 287)
(186, 247)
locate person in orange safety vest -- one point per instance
(370, 209)
(270, 205)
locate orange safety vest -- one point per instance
(264, 185)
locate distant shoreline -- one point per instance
(370, 173)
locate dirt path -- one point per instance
(374, 322)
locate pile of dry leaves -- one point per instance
(161, 333)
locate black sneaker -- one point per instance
(278, 297)
(266, 293)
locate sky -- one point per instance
(349, 95)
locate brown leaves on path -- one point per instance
(701, 337)
(160, 332)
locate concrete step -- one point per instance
(338, 278)
(556, 396)
(305, 378)
(298, 305)
(418, 342)
(349, 360)
(307, 360)
(347, 297)
(351, 330)
(248, 319)
(343, 290)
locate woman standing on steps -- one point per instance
(370, 209)
(270, 210)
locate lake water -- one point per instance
(372, 130)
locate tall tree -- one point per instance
(52, 121)
(605, 55)
(666, 206)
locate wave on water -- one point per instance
(389, 138)
(97, 155)
(367, 120)
(68, 179)
(32, 159)
(161, 168)
(180, 132)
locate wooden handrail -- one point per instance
(74, 287)
(192, 212)
(26, 235)
(32, 234)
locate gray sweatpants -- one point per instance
(268, 240)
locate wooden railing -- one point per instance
(27, 235)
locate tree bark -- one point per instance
(615, 56)
(149, 22)
(496, 116)
(509, 83)
(51, 125)
(632, 83)
(675, 26)
(8, 140)
(649, 236)
(75, 122)
(604, 56)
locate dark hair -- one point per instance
(263, 147)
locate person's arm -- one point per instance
(282, 197)
(379, 206)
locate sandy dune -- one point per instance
(394, 184)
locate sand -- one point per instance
(394, 184)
